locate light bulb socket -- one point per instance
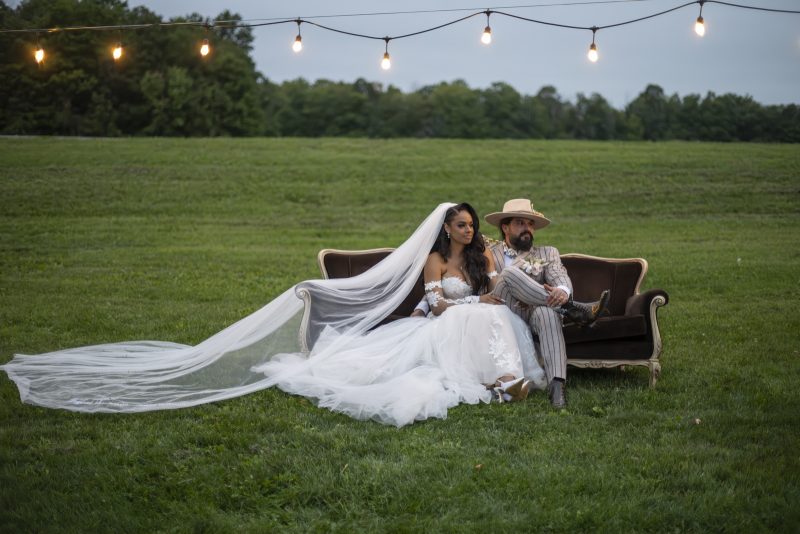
(700, 20)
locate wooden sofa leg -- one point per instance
(655, 372)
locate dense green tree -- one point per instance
(162, 86)
(290, 116)
(396, 114)
(782, 123)
(654, 112)
(556, 112)
(689, 120)
(334, 109)
(503, 108)
(454, 110)
(595, 118)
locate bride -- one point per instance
(412, 369)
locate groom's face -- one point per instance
(519, 233)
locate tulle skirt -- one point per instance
(414, 368)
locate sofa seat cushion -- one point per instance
(617, 349)
(616, 327)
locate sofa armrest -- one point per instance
(303, 333)
(639, 304)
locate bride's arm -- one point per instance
(435, 267)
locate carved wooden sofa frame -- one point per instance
(628, 335)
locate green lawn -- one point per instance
(172, 239)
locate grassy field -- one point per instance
(171, 239)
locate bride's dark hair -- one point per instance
(475, 262)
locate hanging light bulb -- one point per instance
(386, 62)
(486, 38)
(298, 41)
(593, 55)
(205, 48)
(39, 54)
(700, 25)
(116, 53)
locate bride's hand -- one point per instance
(489, 298)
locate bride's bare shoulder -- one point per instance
(436, 258)
(435, 265)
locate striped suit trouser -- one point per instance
(515, 288)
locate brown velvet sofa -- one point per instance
(627, 335)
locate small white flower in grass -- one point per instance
(738, 261)
(696, 420)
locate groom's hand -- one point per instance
(555, 296)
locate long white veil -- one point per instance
(140, 376)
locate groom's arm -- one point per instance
(555, 273)
(422, 309)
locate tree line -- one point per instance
(169, 90)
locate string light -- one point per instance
(298, 41)
(700, 25)
(205, 48)
(592, 55)
(38, 55)
(386, 62)
(486, 38)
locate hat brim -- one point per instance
(539, 221)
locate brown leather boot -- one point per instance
(585, 313)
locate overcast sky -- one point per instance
(744, 51)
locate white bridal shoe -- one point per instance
(513, 390)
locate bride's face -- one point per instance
(460, 228)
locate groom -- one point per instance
(535, 285)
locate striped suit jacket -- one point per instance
(553, 273)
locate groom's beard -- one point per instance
(523, 242)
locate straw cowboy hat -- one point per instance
(518, 207)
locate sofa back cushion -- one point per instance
(591, 275)
(347, 263)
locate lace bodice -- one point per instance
(448, 291)
(455, 288)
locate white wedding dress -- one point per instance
(407, 370)
(415, 368)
